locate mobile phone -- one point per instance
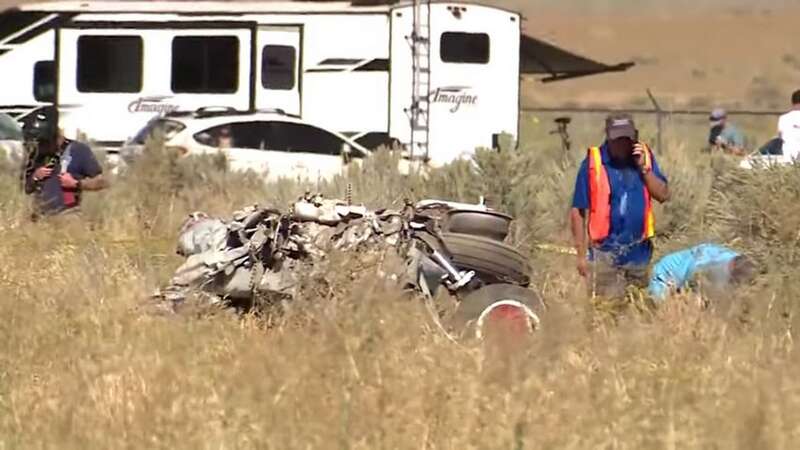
(51, 163)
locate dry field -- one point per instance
(85, 365)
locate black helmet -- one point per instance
(41, 125)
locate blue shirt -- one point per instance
(729, 134)
(624, 241)
(80, 162)
(674, 271)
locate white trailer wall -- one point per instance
(115, 116)
(17, 69)
(471, 101)
(343, 99)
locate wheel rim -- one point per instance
(508, 315)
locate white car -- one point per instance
(272, 143)
(758, 161)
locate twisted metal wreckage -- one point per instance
(262, 253)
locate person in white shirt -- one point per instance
(789, 129)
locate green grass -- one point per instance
(352, 365)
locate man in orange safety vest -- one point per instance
(612, 220)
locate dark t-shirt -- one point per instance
(81, 163)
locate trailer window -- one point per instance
(109, 64)
(207, 65)
(44, 81)
(465, 48)
(277, 67)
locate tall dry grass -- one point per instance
(84, 365)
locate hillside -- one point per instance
(743, 58)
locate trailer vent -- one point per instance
(350, 65)
(376, 65)
(339, 62)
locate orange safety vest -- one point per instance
(600, 199)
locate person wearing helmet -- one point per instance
(57, 170)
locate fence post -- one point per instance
(659, 116)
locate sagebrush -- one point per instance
(85, 365)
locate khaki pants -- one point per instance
(611, 281)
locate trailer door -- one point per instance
(279, 79)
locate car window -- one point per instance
(9, 128)
(274, 135)
(298, 137)
(250, 135)
(375, 140)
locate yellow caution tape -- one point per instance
(556, 249)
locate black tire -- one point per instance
(493, 261)
(490, 225)
(478, 303)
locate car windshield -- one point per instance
(169, 128)
(9, 128)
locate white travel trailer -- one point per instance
(441, 78)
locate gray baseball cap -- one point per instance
(621, 125)
(717, 115)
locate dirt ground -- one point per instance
(735, 58)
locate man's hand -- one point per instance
(68, 181)
(658, 188)
(583, 266)
(42, 172)
(638, 155)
